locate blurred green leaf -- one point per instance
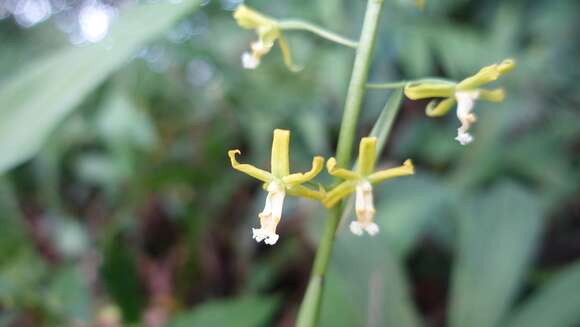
(555, 304)
(407, 206)
(498, 231)
(122, 121)
(376, 284)
(119, 272)
(35, 101)
(69, 295)
(243, 312)
(338, 307)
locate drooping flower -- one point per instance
(464, 94)
(268, 31)
(278, 183)
(360, 181)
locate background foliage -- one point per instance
(118, 207)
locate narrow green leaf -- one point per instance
(382, 128)
(33, 102)
(69, 295)
(497, 235)
(554, 305)
(243, 312)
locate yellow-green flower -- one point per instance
(268, 32)
(278, 182)
(360, 181)
(464, 94)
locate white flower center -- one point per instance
(465, 104)
(270, 216)
(365, 210)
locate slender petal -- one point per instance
(300, 178)
(280, 147)
(486, 75)
(340, 172)
(338, 193)
(367, 155)
(415, 91)
(436, 108)
(287, 55)
(257, 173)
(303, 191)
(403, 170)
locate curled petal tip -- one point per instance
(234, 152)
(409, 165)
(436, 108)
(330, 164)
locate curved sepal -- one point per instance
(300, 178)
(404, 170)
(257, 173)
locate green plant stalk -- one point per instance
(293, 24)
(310, 307)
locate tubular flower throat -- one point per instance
(464, 94)
(268, 31)
(360, 181)
(278, 183)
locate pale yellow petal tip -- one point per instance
(249, 18)
(506, 65)
(408, 164)
(330, 165)
(283, 133)
(368, 141)
(232, 154)
(497, 95)
(240, 15)
(317, 164)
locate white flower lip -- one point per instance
(271, 215)
(365, 210)
(465, 104)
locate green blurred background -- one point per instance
(118, 206)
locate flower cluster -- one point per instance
(279, 182)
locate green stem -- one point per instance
(310, 307)
(358, 80)
(301, 25)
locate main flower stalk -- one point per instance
(310, 308)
